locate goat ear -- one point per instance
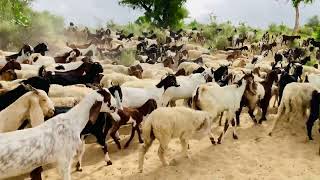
(94, 111)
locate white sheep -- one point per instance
(314, 79)
(178, 122)
(68, 91)
(116, 78)
(189, 67)
(294, 103)
(38, 59)
(109, 68)
(55, 141)
(34, 105)
(141, 83)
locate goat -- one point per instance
(135, 115)
(216, 100)
(55, 141)
(286, 38)
(34, 105)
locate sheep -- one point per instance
(65, 101)
(178, 122)
(38, 59)
(68, 91)
(216, 100)
(194, 54)
(295, 102)
(141, 83)
(136, 97)
(189, 67)
(55, 141)
(115, 68)
(116, 78)
(314, 79)
(34, 105)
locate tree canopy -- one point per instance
(162, 13)
(15, 11)
(296, 3)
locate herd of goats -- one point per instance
(174, 89)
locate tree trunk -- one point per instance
(297, 22)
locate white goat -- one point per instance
(216, 100)
(34, 105)
(188, 85)
(55, 141)
(136, 97)
(178, 122)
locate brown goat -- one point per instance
(132, 114)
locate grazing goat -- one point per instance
(55, 141)
(178, 122)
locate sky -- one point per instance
(257, 13)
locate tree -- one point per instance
(162, 13)
(296, 4)
(15, 11)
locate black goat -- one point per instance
(286, 78)
(11, 96)
(41, 48)
(314, 112)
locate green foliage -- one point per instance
(317, 34)
(43, 27)
(296, 3)
(15, 11)
(313, 22)
(127, 57)
(162, 13)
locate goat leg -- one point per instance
(114, 130)
(238, 115)
(250, 112)
(36, 173)
(131, 136)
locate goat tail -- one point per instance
(195, 100)
(42, 71)
(147, 132)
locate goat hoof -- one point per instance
(78, 167)
(109, 163)
(212, 141)
(270, 134)
(235, 136)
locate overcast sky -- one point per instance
(258, 13)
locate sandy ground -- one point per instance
(285, 155)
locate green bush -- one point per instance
(43, 27)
